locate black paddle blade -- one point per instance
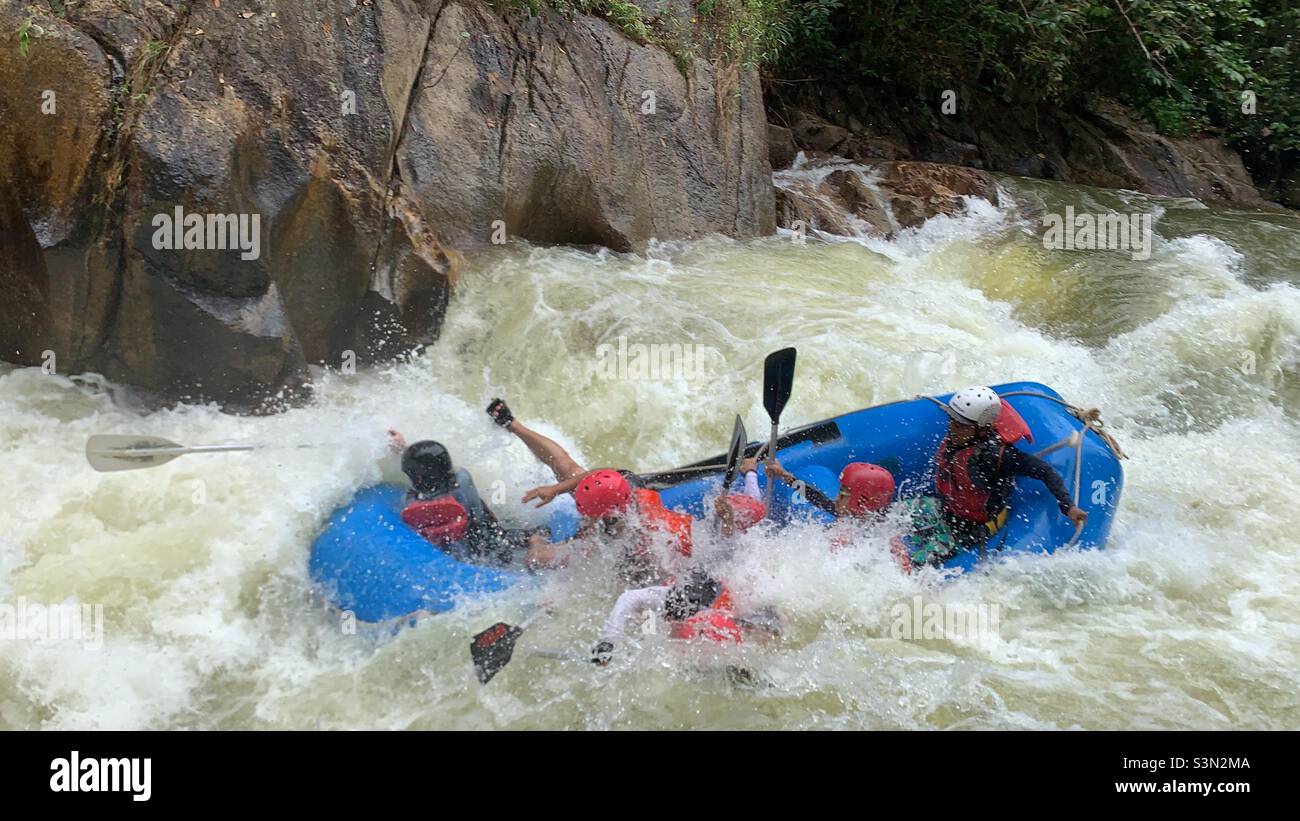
(735, 451)
(491, 649)
(778, 380)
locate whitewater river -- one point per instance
(1188, 620)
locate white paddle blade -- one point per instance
(113, 452)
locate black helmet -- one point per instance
(691, 596)
(428, 465)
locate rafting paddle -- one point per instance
(491, 649)
(113, 452)
(735, 452)
(778, 380)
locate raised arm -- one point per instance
(1018, 463)
(814, 496)
(547, 493)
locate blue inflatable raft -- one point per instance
(371, 563)
(903, 437)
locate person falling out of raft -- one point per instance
(605, 497)
(697, 605)
(976, 467)
(444, 506)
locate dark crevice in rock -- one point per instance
(740, 152)
(399, 134)
(111, 171)
(115, 206)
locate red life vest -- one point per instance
(956, 488)
(442, 520)
(952, 478)
(717, 622)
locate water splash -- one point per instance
(1189, 620)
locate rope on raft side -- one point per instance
(1091, 419)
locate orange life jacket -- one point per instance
(657, 519)
(717, 622)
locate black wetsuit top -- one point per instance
(997, 473)
(818, 499)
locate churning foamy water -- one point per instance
(1188, 620)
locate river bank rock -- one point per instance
(363, 145)
(1103, 145)
(880, 199)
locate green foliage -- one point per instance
(24, 36)
(1184, 63)
(752, 33)
(152, 50)
(1175, 117)
(623, 15)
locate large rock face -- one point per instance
(564, 131)
(1104, 145)
(364, 141)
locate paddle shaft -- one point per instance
(215, 448)
(116, 452)
(771, 454)
(180, 451)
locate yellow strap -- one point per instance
(995, 524)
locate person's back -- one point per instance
(433, 476)
(970, 476)
(465, 492)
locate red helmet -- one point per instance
(746, 511)
(870, 487)
(602, 493)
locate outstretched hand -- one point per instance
(546, 494)
(396, 441)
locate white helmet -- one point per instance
(976, 405)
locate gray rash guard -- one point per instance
(486, 538)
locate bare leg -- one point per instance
(547, 451)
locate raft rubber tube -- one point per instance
(369, 562)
